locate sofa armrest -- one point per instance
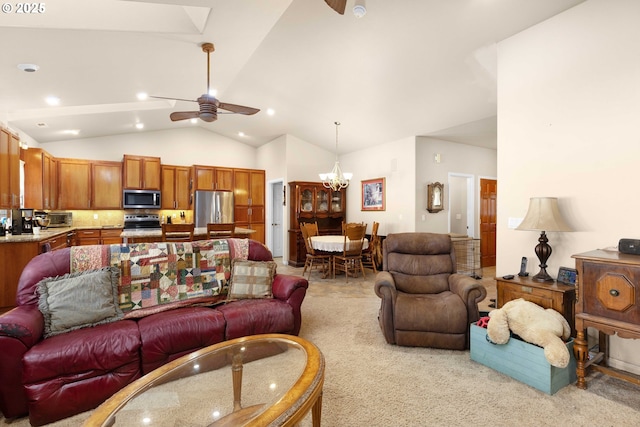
(20, 329)
(470, 291)
(385, 288)
(24, 323)
(284, 285)
(292, 290)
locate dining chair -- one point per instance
(312, 228)
(351, 258)
(323, 260)
(221, 230)
(177, 232)
(373, 253)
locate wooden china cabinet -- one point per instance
(312, 202)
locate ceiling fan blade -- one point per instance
(238, 109)
(172, 99)
(337, 5)
(183, 115)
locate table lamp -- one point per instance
(543, 215)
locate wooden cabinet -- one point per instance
(13, 258)
(9, 170)
(74, 184)
(608, 300)
(312, 202)
(249, 205)
(106, 185)
(58, 241)
(40, 179)
(141, 172)
(557, 296)
(110, 236)
(176, 187)
(87, 236)
(212, 178)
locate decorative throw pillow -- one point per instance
(251, 279)
(79, 300)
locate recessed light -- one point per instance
(142, 96)
(240, 133)
(194, 120)
(29, 68)
(71, 132)
(139, 125)
(52, 100)
(213, 92)
(271, 111)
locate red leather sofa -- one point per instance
(54, 378)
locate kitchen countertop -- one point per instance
(200, 231)
(52, 232)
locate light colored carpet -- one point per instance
(371, 383)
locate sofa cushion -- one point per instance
(71, 373)
(170, 334)
(79, 300)
(257, 316)
(251, 279)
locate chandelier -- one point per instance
(335, 179)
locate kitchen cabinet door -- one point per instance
(9, 170)
(212, 178)
(39, 179)
(176, 187)
(141, 172)
(74, 184)
(203, 178)
(106, 185)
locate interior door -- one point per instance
(277, 199)
(488, 220)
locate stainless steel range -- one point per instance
(142, 222)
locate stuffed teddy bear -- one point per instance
(544, 328)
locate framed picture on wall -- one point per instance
(373, 194)
(435, 197)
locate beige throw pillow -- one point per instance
(251, 279)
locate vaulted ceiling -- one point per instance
(407, 68)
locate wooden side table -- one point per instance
(609, 301)
(557, 296)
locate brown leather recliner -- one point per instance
(425, 303)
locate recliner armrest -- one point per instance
(384, 283)
(470, 291)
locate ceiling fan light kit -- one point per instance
(336, 179)
(208, 103)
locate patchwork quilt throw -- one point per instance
(159, 276)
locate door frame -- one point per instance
(471, 201)
(269, 234)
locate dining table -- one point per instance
(332, 244)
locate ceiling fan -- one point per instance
(337, 5)
(208, 103)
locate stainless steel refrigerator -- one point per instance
(213, 207)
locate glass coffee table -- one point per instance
(260, 380)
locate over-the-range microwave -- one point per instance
(141, 199)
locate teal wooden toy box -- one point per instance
(522, 361)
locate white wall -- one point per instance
(395, 161)
(183, 147)
(454, 158)
(568, 104)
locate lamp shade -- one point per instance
(543, 215)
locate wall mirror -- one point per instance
(435, 197)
